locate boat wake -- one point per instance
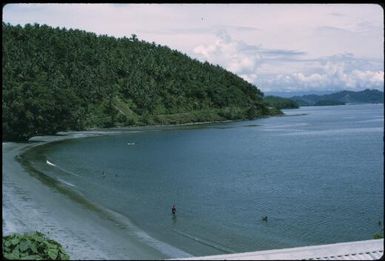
(61, 169)
(50, 163)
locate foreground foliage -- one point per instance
(56, 79)
(33, 246)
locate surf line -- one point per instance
(205, 242)
(162, 246)
(66, 182)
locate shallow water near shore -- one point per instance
(318, 176)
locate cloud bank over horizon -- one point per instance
(277, 47)
(288, 70)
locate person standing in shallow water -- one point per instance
(173, 209)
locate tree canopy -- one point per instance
(281, 103)
(57, 79)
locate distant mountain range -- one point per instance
(340, 98)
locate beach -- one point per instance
(85, 231)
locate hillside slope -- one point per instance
(280, 102)
(56, 79)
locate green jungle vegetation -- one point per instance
(57, 79)
(281, 103)
(32, 246)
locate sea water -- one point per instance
(316, 173)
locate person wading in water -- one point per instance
(173, 210)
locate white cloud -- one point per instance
(332, 76)
(232, 55)
(276, 70)
(364, 77)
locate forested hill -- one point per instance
(57, 79)
(342, 97)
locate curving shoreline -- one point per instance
(24, 210)
(29, 205)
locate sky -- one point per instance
(284, 48)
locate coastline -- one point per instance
(165, 126)
(24, 212)
(85, 230)
(9, 146)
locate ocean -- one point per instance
(316, 173)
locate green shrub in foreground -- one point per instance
(32, 246)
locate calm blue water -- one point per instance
(317, 175)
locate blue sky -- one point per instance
(277, 47)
